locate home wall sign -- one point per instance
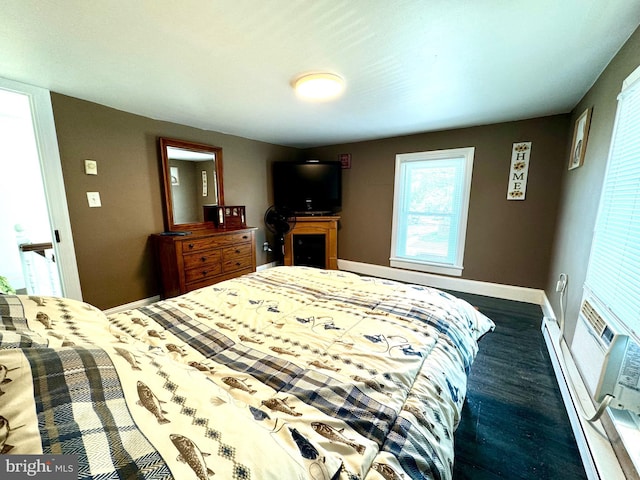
(520, 154)
(205, 187)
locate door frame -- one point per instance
(53, 181)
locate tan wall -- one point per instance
(581, 187)
(508, 242)
(114, 257)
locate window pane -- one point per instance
(432, 189)
(428, 235)
(432, 214)
(430, 209)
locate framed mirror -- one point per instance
(192, 175)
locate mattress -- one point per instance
(286, 373)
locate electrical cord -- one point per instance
(563, 279)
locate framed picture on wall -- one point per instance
(580, 136)
(205, 189)
(175, 176)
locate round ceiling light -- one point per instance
(319, 86)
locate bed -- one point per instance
(286, 373)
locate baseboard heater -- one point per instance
(598, 457)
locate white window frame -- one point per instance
(454, 268)
(613, 272)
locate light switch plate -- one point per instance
(91, 167)
(94, 199)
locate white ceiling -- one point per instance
(226, 65)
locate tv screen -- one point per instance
(311, 187)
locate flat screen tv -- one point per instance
(311, 187)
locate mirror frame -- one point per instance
(166, 174)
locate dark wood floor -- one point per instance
(514, 424)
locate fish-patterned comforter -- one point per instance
(287, 373)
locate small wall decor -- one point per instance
(345, 159)
(175, 176)
(205, 189)
(91, 167)
(519, 171)
(580, 136)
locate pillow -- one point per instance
(48, 321)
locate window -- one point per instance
(431, 200)
(613, 275)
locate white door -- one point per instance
(36, 247)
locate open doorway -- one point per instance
(36, 247)
(28, 261)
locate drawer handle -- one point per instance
(244, 237)
(191, 245)
(204, 259)
(237, 250)
(204, 273)
(238, 264)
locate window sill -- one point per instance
(426, 267)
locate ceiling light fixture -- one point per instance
(319, 86)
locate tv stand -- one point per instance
(313, 242)
(313, 214)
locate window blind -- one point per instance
(613, 274)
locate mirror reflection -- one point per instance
(192, 181)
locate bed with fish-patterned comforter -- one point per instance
(287, 373)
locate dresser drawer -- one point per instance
(206, 243)
(236, 263)
(197, 260)
(239, 250)
(202, 273)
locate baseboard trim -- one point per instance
(264, 266)
(507, 292)
(547, 308)
(129, 306)
(497, 290)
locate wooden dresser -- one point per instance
(204, 257)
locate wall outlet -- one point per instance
(562, 283)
